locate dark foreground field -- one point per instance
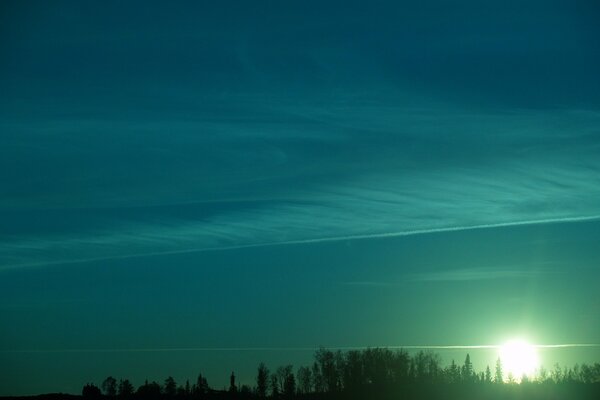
(529, 391)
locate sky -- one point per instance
(195, 187)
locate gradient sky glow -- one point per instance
(219, 184)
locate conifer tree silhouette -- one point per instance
(498, 376)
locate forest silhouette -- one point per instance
(374, 373)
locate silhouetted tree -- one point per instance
(274, 386)
(91, 391)
(480, 377)
(170, 387)
(434, 366)
(262, 381)
(557, 374)
(419, 366)
(317, 378)
(289, 385)
(453, 372)
(400, 366)
(245, 392)
(304, 380)
(109, 386)
(375, 364)
(543, 375)
(327, 369)
(125, 389)
(467, 370)
(498, 376)
(201, 387)
(375, 374)
(353, 373)
(510, 378)
(232, 386)
(586, 374)
(149, 391)
(595, 373)
(283, 373)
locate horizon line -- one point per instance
(298, 348)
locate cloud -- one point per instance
(368, 283)
(476, 274)
(310, 175)
(459, 275)
(116, 242)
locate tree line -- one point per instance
(370, 373)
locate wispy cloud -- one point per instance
(459, 275)
(476, 274)
(119, 241)
(359, 172)
(368, 283)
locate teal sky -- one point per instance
(239, 182)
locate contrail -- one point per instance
(315, 240)
(304, 348)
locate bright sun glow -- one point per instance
(518, 358)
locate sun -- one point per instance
(518, 358)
